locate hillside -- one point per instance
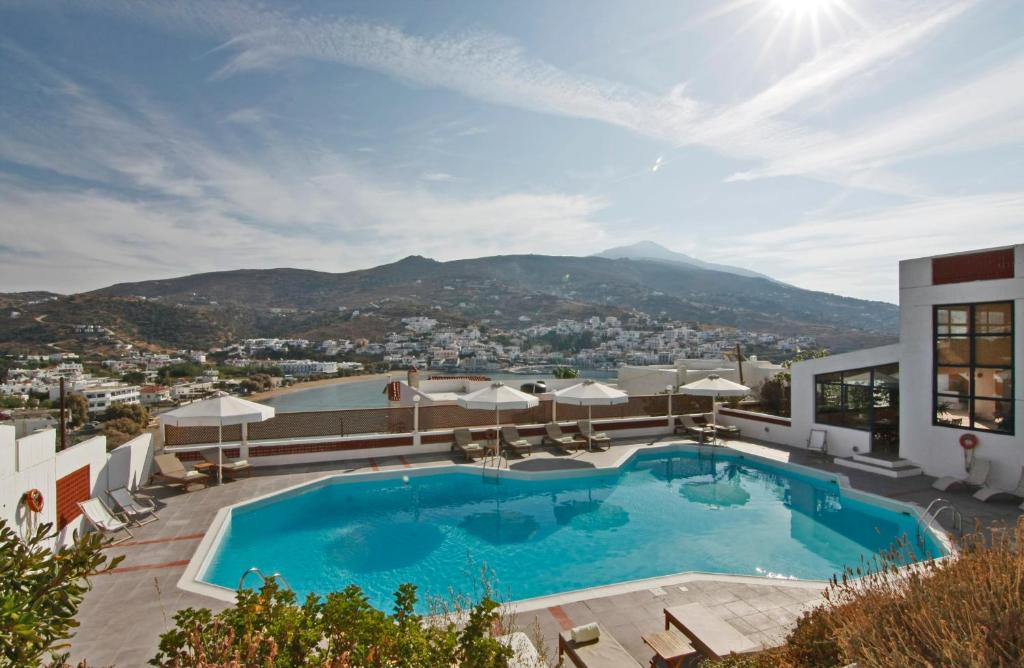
(208, 309)
(649, 250)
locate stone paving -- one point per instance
(123, 616)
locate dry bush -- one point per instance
(966, 612)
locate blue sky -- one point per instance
(817, 141)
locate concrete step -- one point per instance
(907, 471)
(884, 462)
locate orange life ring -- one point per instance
(968, 441)
(34, 500)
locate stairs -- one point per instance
(884, 466)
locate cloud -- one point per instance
(858, 255)
(438, 177)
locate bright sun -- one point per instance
(804, 8)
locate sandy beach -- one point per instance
(310, 384)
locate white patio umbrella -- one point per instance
(219, 411)
(714, 386)
(590, 393)
(497, 396)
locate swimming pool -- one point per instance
(660, 513)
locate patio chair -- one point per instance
(987, 492)
(817, 442)
(727, 431)
(685, 424)
(137, 507)
(977, 476)
(560, 440)
(511, 440)
(105, 521)
(465, 444)
(228, 467)
(710, 635)
(171, 471)
(598, 437)
(591, 646)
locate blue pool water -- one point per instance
(658, 515)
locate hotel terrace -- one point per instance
(870, 431)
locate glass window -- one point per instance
(858, 398)
(973, 366)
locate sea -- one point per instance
(370, 393)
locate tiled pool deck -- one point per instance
(127, 610)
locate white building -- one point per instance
(302, 368)
(103, 396)
(653, 379)
(950, 376)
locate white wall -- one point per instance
(130, 465)
(842, 441)
(936, 449)
(92, 453)
(751, 427)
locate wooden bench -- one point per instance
(712, 636)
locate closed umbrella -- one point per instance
(220, 411)
(715, 386)
(497, 396)
(591, 393)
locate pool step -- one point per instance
(890, 468)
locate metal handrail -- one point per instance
(263, 578)
(928, 518)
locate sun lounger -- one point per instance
(987, 492)
(511, 440)
(171, 471)
(727, 431)
(685, 424)
(465, 444)
(229, 467)
(977, 476)
(598, 437)
(136, 507)
(560, 440)
(710, 635)
(603, 651)
(103, 520)
(817, 441)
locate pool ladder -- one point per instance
(497, 465)
(276, 577)
(930, 516)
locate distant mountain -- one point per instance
(506, 291)
(649, 250)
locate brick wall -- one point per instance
(71, 489)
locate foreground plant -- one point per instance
(40, 591)
(963, 612)
(269, 628)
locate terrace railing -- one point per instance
(399, 420)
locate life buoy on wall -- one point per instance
(968, 441)
(33, 500)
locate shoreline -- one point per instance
(313, 384)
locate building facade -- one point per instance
(952, 381)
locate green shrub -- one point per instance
(269, 628)
(40, 591)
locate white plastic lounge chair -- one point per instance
(986, 492)
(591, 646)
(170, 470)
(511, 440)
(977, 476)
(136, 507)
(464, 444)
(817, 441)
(564, 442)
(229, 467)
(593, 437)
(105, 521)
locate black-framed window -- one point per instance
(858, 398)
(973, 366)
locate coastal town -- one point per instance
(133, 375)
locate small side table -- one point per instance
(671, 647)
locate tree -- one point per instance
(134, 378)
(564, 372)
(40, 591)
(269, 628)
(78, 408)
(135, 412)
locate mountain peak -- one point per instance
(651, 250)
